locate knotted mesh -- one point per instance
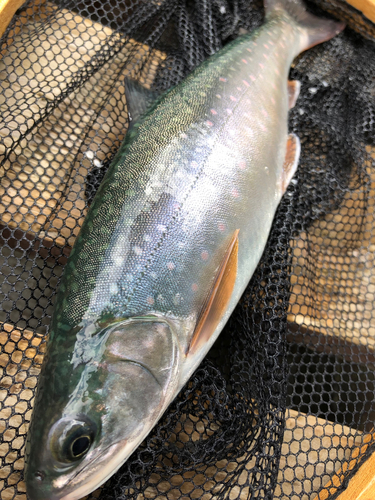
(283, 405)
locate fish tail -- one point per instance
(314, 29)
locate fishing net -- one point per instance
(283, 406)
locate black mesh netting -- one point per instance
(283, 407)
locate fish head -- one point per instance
(93, 410)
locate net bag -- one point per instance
(283, 405)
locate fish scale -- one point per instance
(168, 246)
(232, 91)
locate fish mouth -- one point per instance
(99, 470)
(95, 473)
(76, 485)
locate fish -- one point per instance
(168, 246)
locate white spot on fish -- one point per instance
(194, 164)
(160, 299)
(161, 228)
(177, 299)
(137, 250)
(150, 301)
(267, 170)
(146, 237)
(89, 154)
(183, 135)
(129, 277)
(148, 190)
(97, 163)
(223, 10)
(118, 261)
(204, 255)
(113, 289)
(250, 131)
(232, 132)
(194, 287)
(171, 266)
(325, 84)
(313, 90)
(153, 275)
(213, 112)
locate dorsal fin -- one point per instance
(217, 302)
(138, 99)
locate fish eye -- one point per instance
(80, 446)
(71, 438)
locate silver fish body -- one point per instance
(187, 205)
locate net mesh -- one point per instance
(283, 406)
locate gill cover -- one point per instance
(116, 398)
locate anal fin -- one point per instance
(293, 149)
(218, 300)
(294, 87)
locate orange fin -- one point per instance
(218, 300)
(293, 149)
(294, 87)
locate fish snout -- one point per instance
(37, 487)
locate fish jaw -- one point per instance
(93, 476)
(97, 473)
(76, 486)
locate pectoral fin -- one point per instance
(218, 300)
(294, 87)
(293, 149)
